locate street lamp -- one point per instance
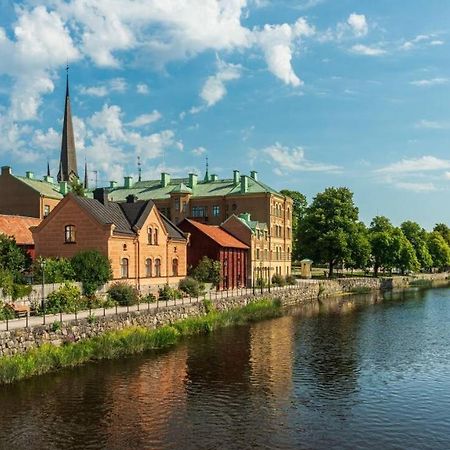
(261, 276)
(43, 285)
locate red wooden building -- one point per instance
(216, 243)
(18, 227)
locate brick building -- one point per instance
(142, 245)
(215, 243)
(212, 201)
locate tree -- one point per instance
(380, 236)
(444, 231)
(77, 188)
(57, 270)
(439, 250)
(360, 247)
(405, 256)
(327, 227)
(298, 210)
(207, 271)
(417, 236)
(13, 258)
(93, 269)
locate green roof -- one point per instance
(152, 189)
(252, 224)
(43, 187)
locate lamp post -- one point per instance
(261, 276)
(43, 286)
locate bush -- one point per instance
(91, 268)
(6, 312)
(207, 271)
(149, 298)
(57, 270)
(123, 294)
(290, 279)
(260, 283)
(168, 293)
(20, 290)
(191, 286)
(278, 280)
(66, 299)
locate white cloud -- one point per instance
(95, 91)
(430, 82)
(447, 175)
(199, 151)
(114, 85)
(109, 121)
(415, 187)
(361, 49)
(49, 140)
(433, 125)
(293, 160)
(214, 88)
(358, 24)
(422, 164)
(437, 42)
(142, 88)
(145, 119)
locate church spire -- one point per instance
(68, 162)
(48, 168)
(86, 181)
(207, 171)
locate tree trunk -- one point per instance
(375, 271)
(330, 271)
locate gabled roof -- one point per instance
(252, 224)
(219, 235)
(45, 188)
(181, 189)
(19, 228)
(173, 231)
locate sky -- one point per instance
(310, 93)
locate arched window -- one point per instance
(155, 237)
(69, 234)
(157, 267)
(124, 247)
(148, 267)
(124, 268)
(150, 235)
(175, 267)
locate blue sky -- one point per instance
(311, 93)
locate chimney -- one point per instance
(214, 177)
(165, 179)
(6, 170)
(131, 198)
(48, 179)
(128, 182)
(244, 184)
(254, 175)
(193, 178)
(113, 184)
(101, 194)
(29, 175)
(236, 176)
(63, 187)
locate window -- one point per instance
(150, 235)
(198, 211)
(155, 237)
(148, 267)
(216, 210)
(257, 253)
(124, 247)
(175, 267)
(46, 210)
(69, 234)
(177, 204)
(157, 267)
(124, 268)
(288, 233)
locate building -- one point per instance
(142, 245)
(260, 265)
(215, 243)
(18, 227)
(212, 201)
(27, 195)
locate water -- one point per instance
(353, 374)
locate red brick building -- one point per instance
(217, 244)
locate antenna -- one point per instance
(139, 168)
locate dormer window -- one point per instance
(69, 234)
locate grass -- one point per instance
(361, 290)
(133, 340)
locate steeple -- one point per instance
(68, 162)
(48, 169)
(207, 171)
(86, 182)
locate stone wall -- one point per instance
(306, 292)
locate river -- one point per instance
(352, 373)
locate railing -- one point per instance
(36, 320)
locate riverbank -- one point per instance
(116, 344)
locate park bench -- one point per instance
(19, 310)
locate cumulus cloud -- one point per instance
(430, 82)
(145, 119)
(142, 88)
(49, 139)
(358, 24)
(198, 151)
(293, 159)
(433, 124)
(102, 90)
(422, 164)
(361, 49)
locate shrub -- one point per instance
(207, 271)
(290, 279)
(66, 299)
(6, 312)
(260, 283)
(191, 286)
(123, 294)
(168, 293)
(56, 270)
(278, 280)
(149, 298)
(6, 281)
(91, 268)
(20, 290)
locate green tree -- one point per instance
(360, 247)
(57, 270)
(207, 271)
(13, 258)
(298, 210)
(444, 231)
(405, 255)
(327, 227)
(77, 188)
(417, 236)
(381, 237)
(439, 250)
(93, 269)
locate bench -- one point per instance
(19, 310)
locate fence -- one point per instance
(44, 319)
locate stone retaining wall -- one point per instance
(21, 340)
